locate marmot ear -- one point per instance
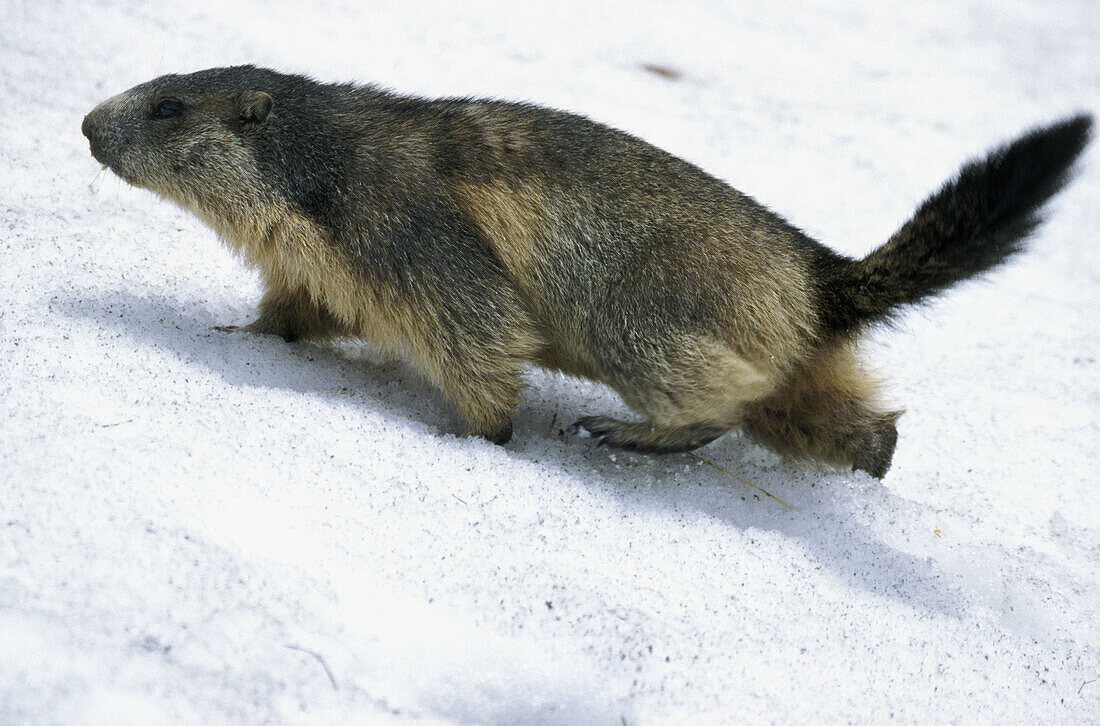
(253, 106)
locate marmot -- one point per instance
(476, 237)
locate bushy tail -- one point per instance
(974, 223)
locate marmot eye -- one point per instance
(168, 109)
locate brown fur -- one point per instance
(474, 238)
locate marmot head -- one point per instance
(186, 137)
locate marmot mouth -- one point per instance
(99, 154)
(88, 128)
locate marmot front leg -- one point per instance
(472, 336)
(477, 364)
(485, 398)
(292, 315)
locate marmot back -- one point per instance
(475, 237)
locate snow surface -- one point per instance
(201, 528)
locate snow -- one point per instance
(200, 528)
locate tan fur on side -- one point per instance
(506, 218)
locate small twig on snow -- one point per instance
(320, 660)
(746, 483)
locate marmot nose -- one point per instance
(95, 137)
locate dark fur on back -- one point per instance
(473, 238)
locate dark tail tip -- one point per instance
(1039, 163)
(1071, 134)
(976, 221)
(995, 202)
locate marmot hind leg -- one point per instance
(690, 396)
(647, 437)
(828, 412)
